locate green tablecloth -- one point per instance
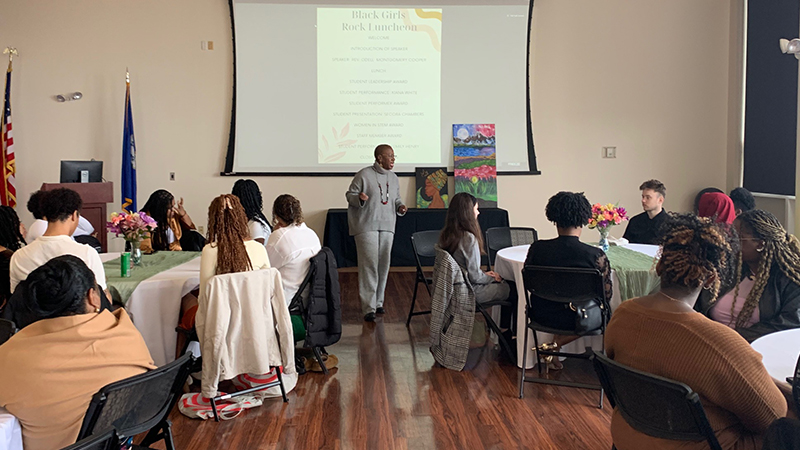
(151, 265)
(635, 272)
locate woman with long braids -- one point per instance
(250, 196)
(11, 240)
(229, 248)
(663, 335)
(172, 221)
(765, 294)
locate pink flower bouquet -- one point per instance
(134, 227)
(606, 216)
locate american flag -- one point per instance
(8, 190)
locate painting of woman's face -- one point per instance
(430, 190)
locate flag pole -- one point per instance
(11, 52)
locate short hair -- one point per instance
(382, 148)
(654, 185)
(35, 204)
(743, 200)
(58, 288)
(60, 204)
(568, 209)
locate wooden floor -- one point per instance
(387, 394)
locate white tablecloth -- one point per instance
(10, 432)
(780, 351)
(509, 263)
(155, 306)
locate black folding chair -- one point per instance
(7, 329)
(139, 403)
(107, 440)
(565, 285)
(653, 405)
(498, 238)
(423, 243)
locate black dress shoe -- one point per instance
(380, 310)
(370, 317)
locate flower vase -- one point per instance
(136, 253)
(603, 239)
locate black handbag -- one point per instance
(589, 315)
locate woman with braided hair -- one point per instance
(11, 240)
(250, 196)
(663, 335)
(765, 294)
(229, 248)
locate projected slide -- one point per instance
(379, 81)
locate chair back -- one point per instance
(653, 405)
(498, 238)
(139, 403)
(424, 243)
(7, 329)
(564, 284)
(107, 440)
(796, 386)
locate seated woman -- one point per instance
(172, 220)
(718, 207)
(461, 237)
(229, 248)
(61, 360)
(570, 212)
(661, 334)
(765, 296)
(250, 196)
(291, 245)
(11, 240)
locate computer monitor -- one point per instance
(71, 171)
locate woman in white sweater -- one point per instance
(229, 248)
(291, 245)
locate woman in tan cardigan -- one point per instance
(663, 335)
(53, 367)
(172, 219)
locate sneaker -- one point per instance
(380, 310)
(370, 317)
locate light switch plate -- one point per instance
(609, 152)
(172, 176)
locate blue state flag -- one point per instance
(128, 156)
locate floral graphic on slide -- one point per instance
(329, 153)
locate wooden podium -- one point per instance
(95, 196)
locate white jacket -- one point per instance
(244, 327)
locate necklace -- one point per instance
(671, 298)
(380, 188)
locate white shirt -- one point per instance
(43, 249)
(289, 250)
(258, 230)
(39, 226)
(208, 261)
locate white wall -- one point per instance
(651, 77)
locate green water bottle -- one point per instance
(125, 265)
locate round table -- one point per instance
(780, 351)
(10, 431)
(509, 263)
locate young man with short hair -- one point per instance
(62, 209)
(645, 228)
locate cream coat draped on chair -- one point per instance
(244, 327)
